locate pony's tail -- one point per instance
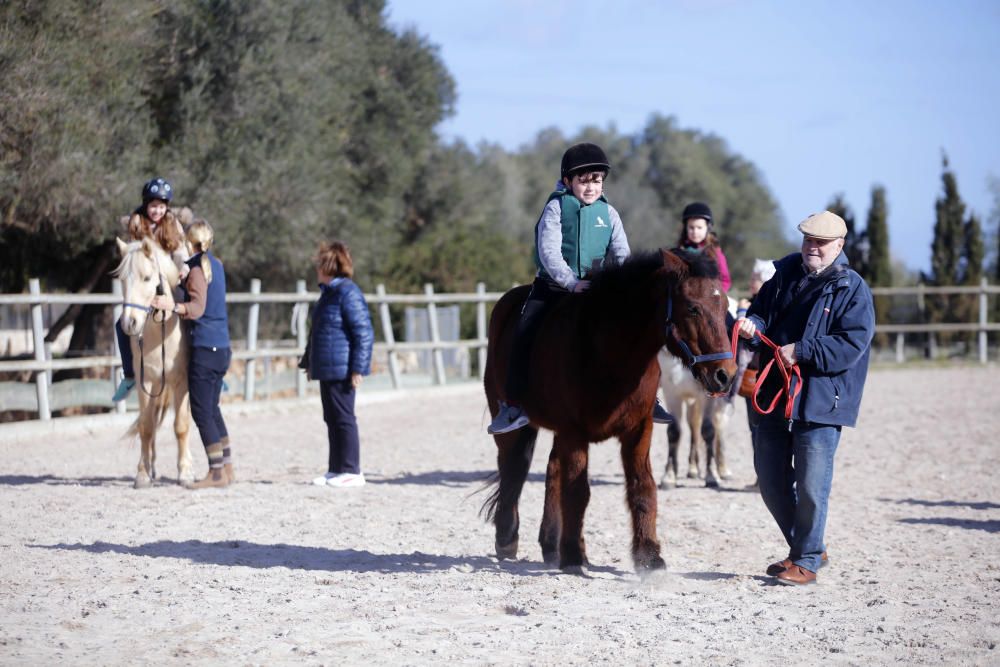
(514, 469)
(163, 402)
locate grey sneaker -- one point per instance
(660, 415)
(510, 418)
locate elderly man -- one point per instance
(819, 311)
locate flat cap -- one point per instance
(825, 225)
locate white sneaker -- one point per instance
(321, 481)
(346, 479)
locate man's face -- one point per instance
(817, 254)
(586, 187)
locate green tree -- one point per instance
(856, 242)
(878, 264)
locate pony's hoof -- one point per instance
(725, 475)
(185, 478)
(574, 569)
(667, 484)
(142, 483)
(711, 483)
(550, 557)
(650, 564)
(507, 551)
(693, 474)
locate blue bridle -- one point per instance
(689, 357)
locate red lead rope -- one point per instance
(791, 375)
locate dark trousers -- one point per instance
(206, 368)
(125, 348)
(341, 425)
(543, 293)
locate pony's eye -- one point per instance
(147, 279)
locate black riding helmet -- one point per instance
(157, 188)
(697, 210)
(585, 156)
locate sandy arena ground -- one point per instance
(275, 571)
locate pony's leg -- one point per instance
(708, 436)
(724, 409)
(574, 497)
(514, 452)
(548, 533)
(640, 493)
(669, 480)
(147, 431)
(696, 410)
(182, 430)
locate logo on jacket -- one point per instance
(600, 222)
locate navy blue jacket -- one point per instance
(832, 328)
(341, 335)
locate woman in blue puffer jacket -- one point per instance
(339, 355)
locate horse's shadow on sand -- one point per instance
(466, 477)
(52, 480)
(240, 553)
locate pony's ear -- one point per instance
(122, 246)
(673, 262)
(147, 246)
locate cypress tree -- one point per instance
(878, 265)
(946, 247)
(855, 243)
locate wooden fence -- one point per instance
(43, 364)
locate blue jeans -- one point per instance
(795, 473)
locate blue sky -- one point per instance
(823, 97)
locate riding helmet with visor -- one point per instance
(157, 188)
(584, 157)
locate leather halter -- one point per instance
(689, 357)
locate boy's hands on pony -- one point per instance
(581, 286)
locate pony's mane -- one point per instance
(700, 264)
(126, 268)
(615, 277)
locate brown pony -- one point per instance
(593, 375)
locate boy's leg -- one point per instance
(342, 398)
(524, 334)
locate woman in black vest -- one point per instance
(204, 307)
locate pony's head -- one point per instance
(145, 268)
(695, 322)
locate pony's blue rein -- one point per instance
(690, 357)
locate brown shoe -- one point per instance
(215, 479)
(230, 474)
(796, 576)
(774, 569)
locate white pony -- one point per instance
(706, 417)
(160, 354)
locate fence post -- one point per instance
(116, 313)
(249, 375)
(388, 336)
(301, 307)
(38, 332)
(900, 348)
(983, 305)
(481, 328)
(432, 318)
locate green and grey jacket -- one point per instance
(571, 240)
